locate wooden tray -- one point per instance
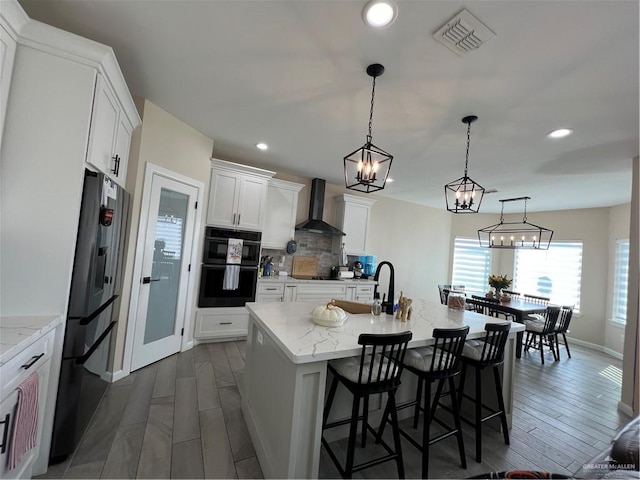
(304, 267)
(353, 307)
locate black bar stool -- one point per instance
(441, 363)
(377, 370)
(480, 354)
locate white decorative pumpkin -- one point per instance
(328, 315)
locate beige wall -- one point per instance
(589, 225)
(169, 143)
(618, 229)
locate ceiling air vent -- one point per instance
(464, 33)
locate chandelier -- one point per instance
(464, 195)
(515, 234)
(366, 170)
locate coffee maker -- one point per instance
(357, 269)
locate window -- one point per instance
(555, 273)
(621, 281)
(169, 230)
(471, 265)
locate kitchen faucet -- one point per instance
(388, 305)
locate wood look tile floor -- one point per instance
(181, 418)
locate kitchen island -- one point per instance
(286, 371)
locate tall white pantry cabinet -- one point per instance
(46, 135)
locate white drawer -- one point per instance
(324, 289)
(364, 290)
(26, 362)
(270, 288)
(221, 322)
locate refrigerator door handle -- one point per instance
(81, 360)
(89, 318)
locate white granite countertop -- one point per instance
(18, 332)
(302, 341)
(289, 279)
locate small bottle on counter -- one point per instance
(376, 306)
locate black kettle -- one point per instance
(335, 272)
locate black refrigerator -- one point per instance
(91, 317)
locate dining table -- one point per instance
(519, 308)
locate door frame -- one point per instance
(187, 339)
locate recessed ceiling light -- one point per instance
(389, 180)
(560, 133)
(262, 146)
(380, 13)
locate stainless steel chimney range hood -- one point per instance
(315, 223)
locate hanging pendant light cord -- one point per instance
(466, 161)
(524, 218)
(373, 93)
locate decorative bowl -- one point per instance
(328, 315)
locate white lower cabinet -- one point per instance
(320, 292)
(360, 293)
(290, 291)
(270, 292)
(35, 358)
(224, 322)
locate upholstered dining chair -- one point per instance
(445, 289)
(540, 330)
(536, 299)
(562, 328)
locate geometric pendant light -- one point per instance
(464, 195)
(521, 235)
(366, 170)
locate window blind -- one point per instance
(555, 273)
(621, 281)
(169, 229)
(471, 265)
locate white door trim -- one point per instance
(187, 339)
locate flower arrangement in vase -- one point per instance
(499, 282)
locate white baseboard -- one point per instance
(624, 408)
(118, 375)
(596, 347)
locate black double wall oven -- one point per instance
(214, 264)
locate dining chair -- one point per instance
(512, 294)
(540, 330)
(437, 363)
(445, 289)
(536, 299)
(376, 371)
(487, 352)
(485, 305)
(562, 328)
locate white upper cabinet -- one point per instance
(237, 196)
(353, 216)
(110, 134)
(282, 207)
(7, 54)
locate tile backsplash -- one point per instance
(310, 245)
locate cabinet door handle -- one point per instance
(226, 323)
(5, 433)
(239, 218)
(234, 219)
(272, 288)
(116, 165)
(149, 279)
(34, 359)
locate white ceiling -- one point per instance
(292, 74)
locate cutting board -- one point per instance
(304, 267)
